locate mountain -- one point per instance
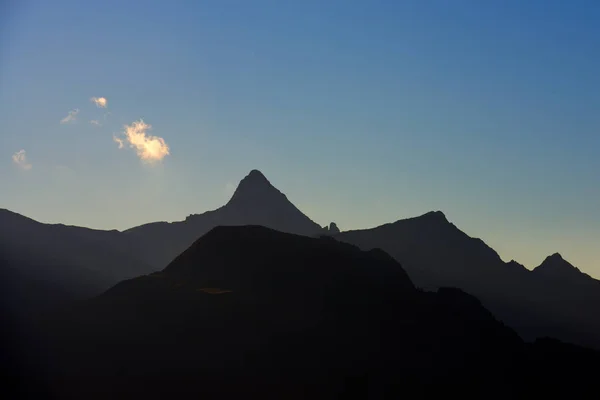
(555, 299)
(43, 264)
(254, 202)
(557, 268)
(331, 229)
(250, 311)
(433, 251)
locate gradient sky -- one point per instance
(362, 112)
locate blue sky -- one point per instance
(362, 112)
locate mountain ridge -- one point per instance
(44, 266)
(254, 202)
(257, 307)
(256, 175)
(278, 301)
(434, 252)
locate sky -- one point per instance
(117, 113)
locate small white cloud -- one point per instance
(100, 102)
(119, 141)
(72, 116)
(20, 159)
(148, 148)
(95, 122)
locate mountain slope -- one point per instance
(71, 260)
(260, 311)
(253, 311)
(436, 253)
(255, 202)
(425, 245)
(555, 267)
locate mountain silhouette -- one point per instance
(60, 262)
(250, 310)
(43, 265)
(555, 299)
(433, 250)
(47, 265)
(331, 229)
(556, 267)
(254, 202)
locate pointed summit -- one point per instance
(431, 218)
(555, 262)
(555, 266)
(255, 187)
(435, 216)
(256, 174)
(257, 202)
(255, 177)
(556, 257)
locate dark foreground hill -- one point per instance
(252, 312)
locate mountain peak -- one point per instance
(435, 216)
(257, 202)
(255, 186)
(556, 266)
(555, 256)
(257, 176)
(556, 261)
(516, 266)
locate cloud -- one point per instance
(95, 122)
(119, 141)
(20, 158)
(72, 116)
(148, 148)
(100, 102)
